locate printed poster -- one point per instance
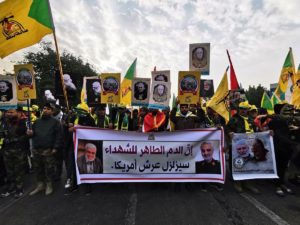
(8, 94)
(93, 91)
(110, 88)
(253, 156)
(141, 91)
(25, 81)
(199, 57)
(160, 92)
(188, 87)
(206, 88)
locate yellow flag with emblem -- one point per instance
(23, 23)
(126, 91)
(218, 100)
(296, 90)
(287, 72)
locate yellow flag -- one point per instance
(126, 92)
(23, 23)
(296, 90)
(218, 101)
(287, 71)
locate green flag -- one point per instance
(266, 102)
(275, 100)
(174, 101)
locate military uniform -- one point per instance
(237, 124)
(47, 136)
(188, 121)
(14, 153)
(212, 167)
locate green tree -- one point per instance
(46, 69)
(254, 94)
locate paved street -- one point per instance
(151, 204)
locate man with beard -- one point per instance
(140, 91)
(47, 140)
(89, 163)
(242, 154)
(185, 119)
(208, 165)
(14, 152)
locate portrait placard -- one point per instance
(253, 156)
(199, 57)
(160, 92)
(8, 95)
(161, 76)
(110, 88)
(25, 81)
(206, 88)
(93, 91)
(159, 95)
(141, 91)
(188, 87)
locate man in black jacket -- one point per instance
(47, 140)
(185, 119)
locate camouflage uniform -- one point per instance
(15, 163)
(44, 164)
(47, 136)
(14, 153)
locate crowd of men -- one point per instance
(45, 144)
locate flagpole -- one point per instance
(61, 71)
(59, 60)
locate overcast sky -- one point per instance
(110, 34)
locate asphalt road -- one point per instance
(151, 204)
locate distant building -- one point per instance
(273, 87)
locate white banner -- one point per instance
(253, 156)
(116, 156)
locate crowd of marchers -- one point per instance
(40, 141)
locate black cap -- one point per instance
(49, 105)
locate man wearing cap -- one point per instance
(253, 113)
(240, 123)
(81, 117)
(283, 145)
(120, 117)
(101, 119)
(46, 135)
